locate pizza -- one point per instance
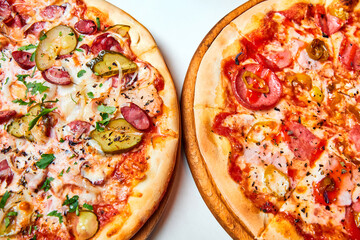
(89, 121)
(277, 120)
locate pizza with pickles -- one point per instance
(89, 121)
(277, 118)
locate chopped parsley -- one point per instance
(68, 170)
(32, 58)
(12, 214)
(43, 37)
(7, 222)
(60, 33)
(98, 24)
(27, 47)
(24, 103)
(32, 87)
(4, 199)
(81, 73)
(88, 206)
(90, 95)
(61, 140)
(106, 109)
(56, 214)
(61, 173)
(73, 204)
(80, 38)
(45, 160)
(43, 112)
(79, 50)
(46, 186)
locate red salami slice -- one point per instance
(297, 12)
(86, 48)
(6, 115)
(354, 136)
(252, 99)
(5, 172)
(350, 224)
(5, 10)
(57, 76)
(105, 42)
(23, 59)
(85, 26)
(320, 19)
(52, 12)
(35, 28)
(137, 117)
(303, 143)
(79, 127)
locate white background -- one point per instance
(178, 27)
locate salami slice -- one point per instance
(354, 136)
(57, 76)
(137, 117)
(105, 42)
(79, 128)
(23, 59)
(5, 172)
(5, 10)
(52, 12)
(35, 28)
(254, 100)
(85, 26)
(6, 115)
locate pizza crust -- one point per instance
(163, 152)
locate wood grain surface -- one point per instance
(208, 190)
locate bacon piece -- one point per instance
(5, 172)
(5, 10)
(35, 28)
(137, 117)
(16, 21)
(275, 60)
(85, 26)
(105, 42)
(255, 100)
(334, 23)
(6, 115)
(350, 224)
(52, 12)
(297, 12)
(320, 19)
(57, 76)
(23, 59)
(303, 143)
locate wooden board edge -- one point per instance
(204, 182)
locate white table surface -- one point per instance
(178, 27)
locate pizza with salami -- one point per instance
(89, 121)
(277, 118)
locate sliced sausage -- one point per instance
(23, 59)
(57, 76)
(354, 136)
(5, 172)
(6, 115)
(85, 26)
(255, 100)
(5, 10)
(297, 12)
(303, 143)
(86, 48)
(52, 12)
(137, 117)
(35, 28)
(79, 128)
(105, 42)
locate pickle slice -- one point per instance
(19, 127)
(108, 63)
(59, 40)
(119, 136)
(119, 29)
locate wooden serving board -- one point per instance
(202, 177)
